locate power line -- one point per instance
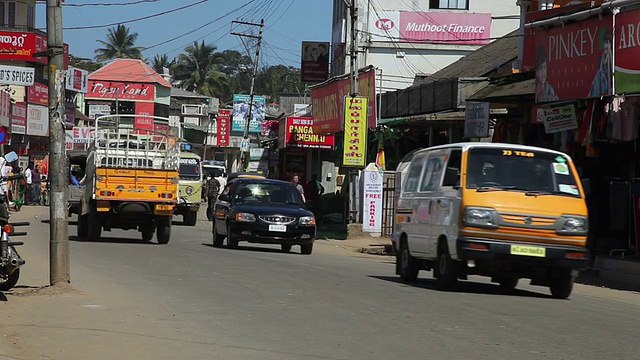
(112, 4)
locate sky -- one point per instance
(287, 24)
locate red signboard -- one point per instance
(38, 94)
(223, 127)
(23, 45)
(297, 132)
(145, 122)
(328, 103)
(627, 50)
(19, 118)
(120, 90)
(574, 61)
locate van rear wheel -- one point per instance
(446, 270)
(409, 266)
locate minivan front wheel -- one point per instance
(409, 266)
(561, 283)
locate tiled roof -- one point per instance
(128, 70)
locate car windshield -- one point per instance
(534, 172)
(213, 172)
(267, 193)
(189, 169)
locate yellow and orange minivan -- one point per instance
(499, 210)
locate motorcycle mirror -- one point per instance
(11, 156)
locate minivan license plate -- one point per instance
(278, 228)
(528, 250)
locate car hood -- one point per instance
(272, 209)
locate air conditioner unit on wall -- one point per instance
(188, 109)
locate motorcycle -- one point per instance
(10, 260)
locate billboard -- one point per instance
(627, 67)
(315, 61)
(19, 118)
(476, 120)
(574, 61)
(23, 45)
(297, 132)
(355, 132)
(434, 27)
(5, 109)
(16, 75)
(77, 80)
(37, 120)
(98, 89)
(223, 127)
(328, 103)
(38, 94)
(241, 109)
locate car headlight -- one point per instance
(572, 225)
(245, 217)
(482, 217)
(189, 190)
(307, 220)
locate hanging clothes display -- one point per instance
(624, 118)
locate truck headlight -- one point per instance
(572, 225)
(481, 217)
(307, 220)
(245, 217)
(189, 190)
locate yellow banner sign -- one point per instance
(355, 131)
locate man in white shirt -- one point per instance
(29, 180)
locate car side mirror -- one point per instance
(224, 197)
(11, 156)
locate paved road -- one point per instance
(189, 300)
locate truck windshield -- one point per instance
(534, 172)
(189, 169)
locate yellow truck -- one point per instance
(131, 177)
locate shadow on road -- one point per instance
(112, 240)
(619, 282)
(3, 297)
(257, 249)
(465, 287)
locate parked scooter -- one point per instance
(10, 260)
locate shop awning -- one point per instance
(513, 92)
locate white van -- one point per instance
(499, 210)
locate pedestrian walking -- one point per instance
(36, 180)
(29, 182)
(295, 180)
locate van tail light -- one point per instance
(574, 255)
(475, 246)
(106, 193)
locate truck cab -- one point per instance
(190, 185)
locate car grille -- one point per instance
(277, 219)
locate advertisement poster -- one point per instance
(223, 127)
(144, 121)
(627, 70)
(5, 108)
(355, 131)
(77, 80)
(372, 201)
(558, 118)
(259, 160)
(17, 46)
(19, 118)
(328, 103)
(16, 75)
(38, 94)
(37, 120)
(241, 110)
(476, 120)
(574, 61)
(298, 133)
(315, 61)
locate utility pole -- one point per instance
(353, 52)
(244, 160)
(59, 266)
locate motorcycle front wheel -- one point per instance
(11, 281)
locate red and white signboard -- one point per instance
(38, 94)
(627, 50)
(23, 45)
(98, 89)
(328, 103)
(77, 80)
(433, 27)
(5, 108)
(144, 121)
(19, 118)
(82, 134)
(223, 127)
(37, 120)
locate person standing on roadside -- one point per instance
(36, 179)
(295, 180)
(29, 181)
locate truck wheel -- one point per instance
(446, 270)
(83, 224)
(163, 231)
(12, 280)
(287, 247)
(147, 233)
(94, 226)
(408, 264)
(507, 283)
(561, 283)
(190, 218)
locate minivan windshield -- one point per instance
(267, 193)
(189, 169)
(534, 172)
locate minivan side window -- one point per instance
(452, 171)
(432, 175)
(413, 177)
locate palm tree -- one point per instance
(119, 44)
(194, 65)
(160, 62)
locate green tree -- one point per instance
(120, 44)
(160, 62)
(195, 65)
(277, 79)
(85, 64)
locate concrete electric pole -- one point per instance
(59, 267)
(244, 160)
(353, 49)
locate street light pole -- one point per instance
(244, 160)
(59, 263)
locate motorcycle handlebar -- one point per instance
(21, 223)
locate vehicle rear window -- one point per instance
(189, 169)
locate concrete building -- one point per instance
(410, 38)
